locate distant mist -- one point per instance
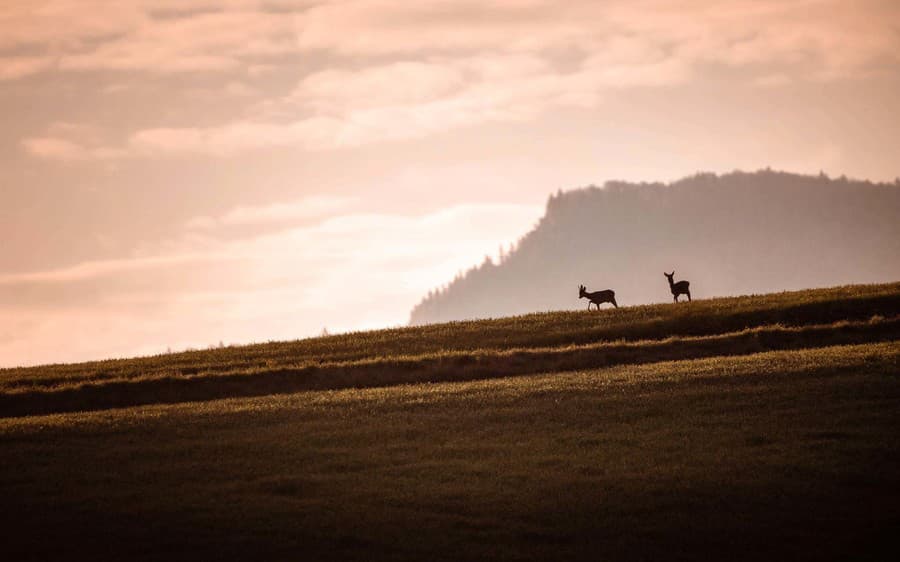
(739, 233)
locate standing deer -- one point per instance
(597, 297)
(679, 288)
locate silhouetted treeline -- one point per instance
(738, 233)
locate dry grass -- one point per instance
(23, 396)
(550, 329)
(786, 455)
(466, 350)
(660, 432)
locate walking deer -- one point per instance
(679, 288)
(597, 297)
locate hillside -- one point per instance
(466, 350)
(741, 428)
(738, 233)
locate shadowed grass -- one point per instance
(789, 455)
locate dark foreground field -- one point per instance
(741, 453)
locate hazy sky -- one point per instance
(177, 173)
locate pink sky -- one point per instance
(178, 173)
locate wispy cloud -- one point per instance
(162, 36)
(72, 142)
(146, 35)
(65, 150)
(313, 207)
(352, 108)
(390, 71)
(285, 284)
(15, 67)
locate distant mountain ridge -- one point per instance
(738, 233)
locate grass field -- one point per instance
(741, 428)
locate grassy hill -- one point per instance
(739, 428)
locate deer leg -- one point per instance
(689, 296)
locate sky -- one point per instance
(183, 173)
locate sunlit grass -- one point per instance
(467, 350)
(701, 317)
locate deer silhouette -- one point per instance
(679, 288)
(597, 297)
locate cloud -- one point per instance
(145, 35)
(313, 207)
(237, 88)
(347, 271)
(208, 41)
(383, 71)
(103, 268)
(15, 67)
(238, 136)
(200, 36)
(355, 108)
(375, 86)
(348, 109)
(382, 27)
(827, 33)
(72, 142)
(56, 149)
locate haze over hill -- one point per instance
(737, 233)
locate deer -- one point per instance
(597, 297)
(679, 288)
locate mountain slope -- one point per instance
(739, 233)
